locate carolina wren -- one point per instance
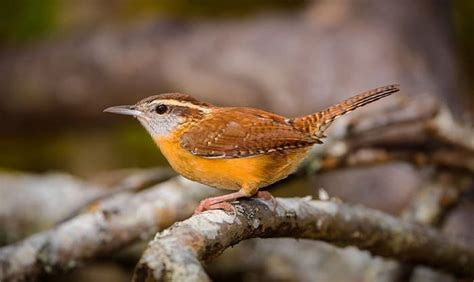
(235, 148)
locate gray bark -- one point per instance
(177, 252)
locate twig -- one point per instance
(136, 180)
(434, 198)
(118, 221)
(429, 205)
(177, 252)
(421, 132)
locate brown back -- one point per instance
(244, 132)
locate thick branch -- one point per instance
(134, 181)
(31, 203)
(115, 223)
(177, 252)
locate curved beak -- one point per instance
(124, 110)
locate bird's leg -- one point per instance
(220, 202)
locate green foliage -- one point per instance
(24, 20)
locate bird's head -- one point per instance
(162, 114)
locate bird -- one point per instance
(240, 149)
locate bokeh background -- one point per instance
(62, 62)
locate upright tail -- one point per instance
(317, 123)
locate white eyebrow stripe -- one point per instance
(181, 104)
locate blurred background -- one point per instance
(62, 62)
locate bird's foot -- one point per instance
(267, 196)
(208, 204)
(219, 202)
(222, 202)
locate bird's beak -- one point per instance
(124, 110)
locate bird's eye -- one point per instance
(161, 109)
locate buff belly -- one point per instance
(249, 173)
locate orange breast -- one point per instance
(249, 173)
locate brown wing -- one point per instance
(242, 132)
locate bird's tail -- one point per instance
(315, 124)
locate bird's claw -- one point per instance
(205, 205)
(267, 196)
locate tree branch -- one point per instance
(31, 203)
(178, 251)
(405, 133)
(116, 222)
(419, 131)
(433, 199)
